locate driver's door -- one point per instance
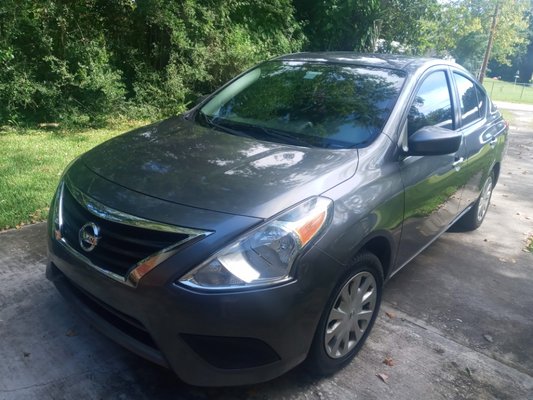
(433, 183)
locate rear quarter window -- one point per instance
(469, 99)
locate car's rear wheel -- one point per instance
(348, 317)
(475, 216)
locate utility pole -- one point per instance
(489, 44)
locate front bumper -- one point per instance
(208, 339)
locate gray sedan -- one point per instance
(256, 231)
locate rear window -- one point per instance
(318, 104)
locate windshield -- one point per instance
(303, 103)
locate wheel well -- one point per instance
(496, 170)
(380, 247)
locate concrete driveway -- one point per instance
(457, 323)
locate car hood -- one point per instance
(182, 162)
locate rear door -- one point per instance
(433, 184)
(480, 131)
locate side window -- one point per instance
(468, 98)
(482, 101)
(432, 104)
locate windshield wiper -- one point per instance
(285, 136)
(270, 132)
(211, 122)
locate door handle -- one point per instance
(493, 142)
(457, 163)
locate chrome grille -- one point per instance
(122, 246)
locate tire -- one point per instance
(348, 316)
(475, 216)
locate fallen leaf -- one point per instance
(388, 361)
(383, 377)
(391, 315)
(488, 338)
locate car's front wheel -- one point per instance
(348, 317)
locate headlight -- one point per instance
(265, 255)
(56, 221)
(56, 207)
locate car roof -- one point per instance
(408, 64)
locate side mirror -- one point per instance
(434, 141)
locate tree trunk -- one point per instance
(489, 44)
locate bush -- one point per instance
(55, 70)
(82, 62)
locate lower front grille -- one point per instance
(232, 352)
(126, 324)
(124, 329)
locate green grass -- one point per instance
(31, 162)
(507, 91)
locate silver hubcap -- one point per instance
(484, 199)
(350, 315)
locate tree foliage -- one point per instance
(465, 29)
(338, 24)
(79, 61)
(525, 59)
(411, 23)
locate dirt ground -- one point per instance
(456, 323)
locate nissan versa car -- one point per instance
(256, 231)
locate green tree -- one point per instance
(464, 30)
(525, 61)
(54, 61)
(338, 24)
(411, 23)
(81, 61)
